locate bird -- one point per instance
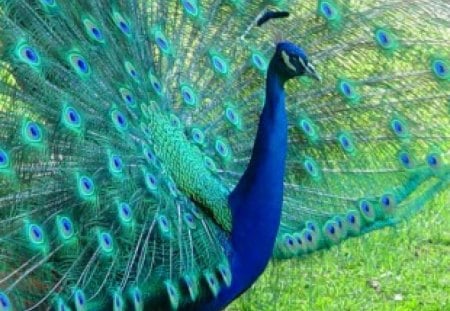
(156, 155)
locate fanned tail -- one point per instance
(90, 216)
(98, 96)
(373, 142)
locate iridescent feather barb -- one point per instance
(126, 125)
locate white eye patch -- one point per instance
(302, 62)
(312, 71)
(310, 68)
(287, 61)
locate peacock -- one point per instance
(157, 154)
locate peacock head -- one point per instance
(291, 61)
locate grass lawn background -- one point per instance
(406, 267)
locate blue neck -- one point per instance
(257, 199)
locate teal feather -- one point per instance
(125, 125)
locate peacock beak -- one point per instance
(311, 72)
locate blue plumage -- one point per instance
(259, 193)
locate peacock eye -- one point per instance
(433, 160)
(191, 7)
(189, 96)
(406, 160)
(105, 241)
(259, 62)
(328, 10)
(79, 64)
(156, 84)
(48, 3)
(162, 42)
(93, 30)
(115, 164)
(71, 118)
(36, 234)
(118, 301)
(28, 55)
(79, 298)
(219, 64)
(127, 97)
(4, 159)
(137, 297)
(440, 69)
(122, 24)
(351, 219)
(32, 132)
(65, 227)
(151, 181)
(119, 120)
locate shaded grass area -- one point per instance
(406, 267)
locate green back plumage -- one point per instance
(116, 117)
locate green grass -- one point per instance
(406, 267)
